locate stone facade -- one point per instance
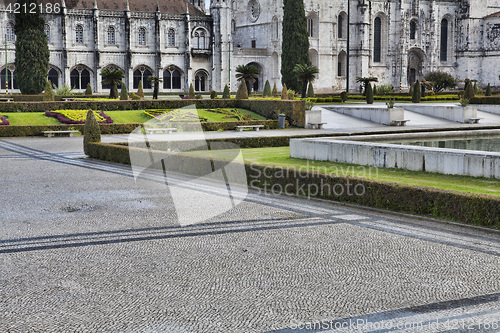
(397, 41)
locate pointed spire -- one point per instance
(63, 4)
(128, 6)
(95, 4)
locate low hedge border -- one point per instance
(491, 100)
(472, 209)
(15, 131)
(294, 110)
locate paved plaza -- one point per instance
(85, 248)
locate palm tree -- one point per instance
(249, 73)
(366, 81)
(112, 78)
(155, 82)
(305, 74)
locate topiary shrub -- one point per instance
(91, 131)
(115, 91)
(275, 91)
(267, 89)
(191, 91)
(226, 94)
(343, 96)
(242, 92)
(49, 93)
(284, 92)
(291, 94)
(375, 90)
(469, 91)
(88, 91)
(416, 96)
(369, 94)
(310, 90)
(140, 91)
(124, 93)
(488, 90)
(134, 96)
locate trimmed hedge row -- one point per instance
(13, 131)
(294, 110)
(492, 100)
(466, 208)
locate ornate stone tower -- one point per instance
(222, 43)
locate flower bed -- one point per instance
(173, 115)
(78, 116)
(3, 120)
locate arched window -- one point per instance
(47, 32)
(79, 34)
(196, 40)
(413, 29)
(202, 40)
(172, 78)
(310, 26)
(171, 37)
(200, 81)
(11, 35)
(233, 5)
(341, 70)
(377, 40)
(233, 26)
(11, 79)
(79, 78)
(142, 74)
(340, 27)
(444, 40)
(53, 77)
(142, 36)
(275, 28)
(111, 36)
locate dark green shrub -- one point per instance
(140, 91)
(267, 89)
(91, 132)
(115, 91)
(310, 90)
(343, 96)
(375, 90)
(469, 91)
(88, 91)
(441, 80)
(191, 91)
(284, 92)
(134, 96)
(226, 94)
(416, 97)
(488, 90)
(49, 93)
(242, 92)
(124, 93)
(213, 94)
(275, 91)
(369, 94)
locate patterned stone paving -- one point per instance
(84, 248)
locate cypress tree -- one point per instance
(415, 98)
(32, 50)
(91, 131)
(124, 92)
(488, 90)
(226, 94)
(469, 91)
(284, 92)
(295, 45)
(49, 93)
(140, 91)
(242, 92)
(369, 94)
(310, 90)
(115, 91)
(375, 90)
(275, 91)
(267, 89)
(88, 91)
(191, 91)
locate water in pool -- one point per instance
(491, 144)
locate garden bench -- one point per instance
(154, 130)
(255, 127)
(317, 125)
(6, 99)
(401, 122)
(473, 120)
(50, 133)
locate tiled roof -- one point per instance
(165, 6)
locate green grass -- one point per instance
(128, 117)
(280, 156)
(32, 118)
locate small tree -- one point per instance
(310, 90)
(267, 89)
(124, 93)
(140, 91)
(112, 78)
(242, 92)
(416, 97)
(369, 94)
(155, 82)
(488, 90)
(213, 94)
(366, 81)
(284, 92)
(226, 94)
(275, 91)
(375, 90)
(91, 131)
(191, 91)
(441, 80)
(305, 74)
(88, 91)
(469, 91)
(249, 73)
(49, 93)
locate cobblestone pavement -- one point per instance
(84, 248)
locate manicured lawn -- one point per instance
(128, 117)
(31, 118)
(279, 156)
